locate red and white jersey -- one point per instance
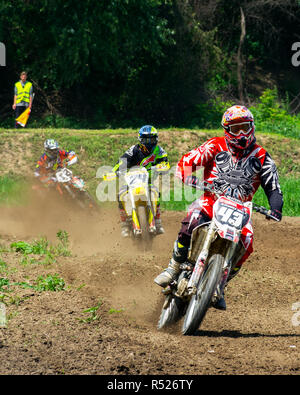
(232, 175)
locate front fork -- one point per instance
(150, 217)
(202, 258)
(226, 268)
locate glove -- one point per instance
(110, 176)
(275, 214)
(191, 181)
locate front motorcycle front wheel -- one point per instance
(171, 312)
(146, 237)
(200, 302)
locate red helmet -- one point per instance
(238, 123)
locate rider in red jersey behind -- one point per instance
(236, 166)
(53, 159)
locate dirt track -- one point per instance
(256, 335)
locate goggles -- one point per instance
(149, 140)
(52, 153)
(237, 128)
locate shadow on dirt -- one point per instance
(238, 334)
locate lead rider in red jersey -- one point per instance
(236, 166)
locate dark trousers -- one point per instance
(189, 224)
(19, 110)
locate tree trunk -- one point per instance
(239, 58)
(50, 106)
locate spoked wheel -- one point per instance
(200, 302)
(146, 237)
(171, 312)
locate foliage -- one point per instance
(39, 247)
(4, 284)
(103, 147)
(271, 115)
(113, 310)
(62, 249)
(208, 115)
(42, 248)
(50, 283)
(126, 62)
(92, 311)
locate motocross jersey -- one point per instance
(134, 156)
(238, 176)
(46, 166)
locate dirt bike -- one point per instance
(214, 251)
(139, 200)
(70, 187)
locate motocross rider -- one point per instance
(146, 153)
(236, 166)
(52, 159)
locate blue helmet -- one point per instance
(148, 138)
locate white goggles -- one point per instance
(237, 128)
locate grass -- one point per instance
(39, 251)
(97, 148)
(92, 311)
(12, 190)
(50, 283)
(43, 249)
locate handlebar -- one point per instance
(207, 187)
(264, 211)
(111, 176)
(261, 210)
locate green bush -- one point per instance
(208, 115)
(271, 116)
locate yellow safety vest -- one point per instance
(23, 93)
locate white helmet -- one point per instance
(51, 148)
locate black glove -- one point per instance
(192, 181)
(274, 214)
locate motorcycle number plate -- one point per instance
(230, 217)
(138, 178)
(64, 175)
(228, 212)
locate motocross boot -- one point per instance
(219, 299)
(220, 302)
(159, 228)
(125, 228)
(171, 272)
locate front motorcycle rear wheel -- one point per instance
(200, 302)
